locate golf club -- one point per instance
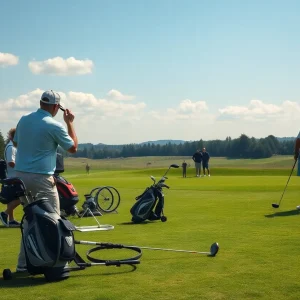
(275, 205)
(171, 166)
(214, 248)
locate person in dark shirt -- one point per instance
(205, 160)
(184, 166)
(197, 158)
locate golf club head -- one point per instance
(153, 178)
(174, 166)
(275, 205)
(214, 248)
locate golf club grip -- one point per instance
(104, 245)
(87, 243)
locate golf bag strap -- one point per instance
(141, 195)
(78, 259)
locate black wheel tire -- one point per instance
(163, 218)
(104, 199)
(116, 197)
(7, 274)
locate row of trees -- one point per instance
(242, 147)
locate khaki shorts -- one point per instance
(40, 186)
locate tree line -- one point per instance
(241, 147)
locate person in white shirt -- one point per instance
(7, 216)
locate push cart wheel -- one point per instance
(94, 191)
(163, 218)
(116, 196)
(7, 274)
(104, 199)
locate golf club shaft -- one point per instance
(174, 250)
(287, 182)
(162, 249)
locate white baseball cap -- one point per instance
(50, 97)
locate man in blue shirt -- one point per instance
(205, 160)
(37, 138)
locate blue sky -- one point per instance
(133, 71)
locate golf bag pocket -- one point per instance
(67, 250)
(142, 208)
(47, 239)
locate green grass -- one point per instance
(259, 246)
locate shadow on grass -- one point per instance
(121, 270)
(284, 213)
(23, 280)
(137, 224)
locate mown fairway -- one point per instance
(259, 245)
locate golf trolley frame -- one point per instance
(102, 199)
(80, 263)
(109, 198)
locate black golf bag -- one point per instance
(48, 241)
(149, 205)
(10, 192)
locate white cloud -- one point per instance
(105, 107)
(186, 110)
(8, 59)
(116, 95)
(101, 119)
(24, 102)
(94, 117)
(61, 67)
(254, 111)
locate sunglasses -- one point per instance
(61, 108)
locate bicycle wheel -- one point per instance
(94, 191)
(104, 199)
(116, 196)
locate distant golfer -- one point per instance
(297, 153)
(205, 160)
(87, 168)
(184, 167)
(197, 158)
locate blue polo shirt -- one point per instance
(37, 137)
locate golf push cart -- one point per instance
(49, 242)
(103, 199)
(150, 204)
